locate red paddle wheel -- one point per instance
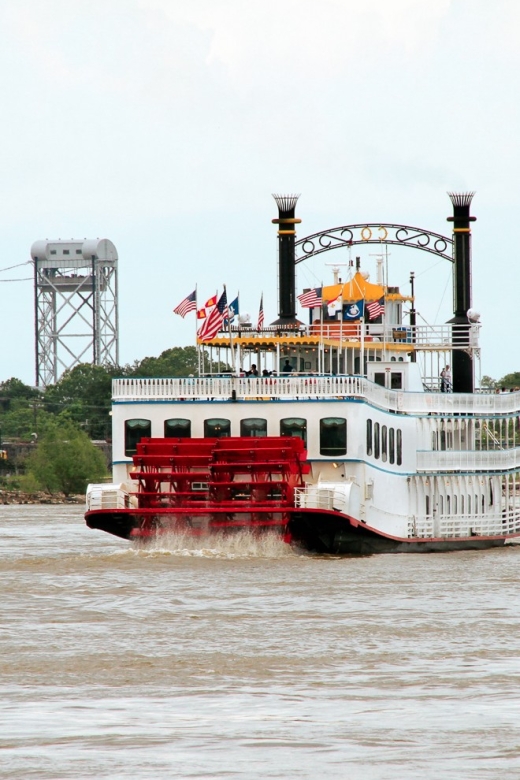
(204, 485)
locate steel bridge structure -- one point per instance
(75, 306)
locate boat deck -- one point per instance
(285, 388)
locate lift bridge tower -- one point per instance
(75, 306)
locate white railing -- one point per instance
(423, 336)
(465, 460)
(314, 497)
(447, 526)
(313, 387)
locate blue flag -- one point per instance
(232, 311)
(354, 311)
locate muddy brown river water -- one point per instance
(240, 658)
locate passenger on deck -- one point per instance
(287, 369)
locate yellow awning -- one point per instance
(356, 289)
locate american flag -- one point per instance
(188, 304)
(215, 319)
(261, 314)
(311, 298)
(375, 309)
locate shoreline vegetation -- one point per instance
(57, 439)
(15, 496)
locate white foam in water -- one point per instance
(242, 544)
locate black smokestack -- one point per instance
(286, 260)
(462, 362)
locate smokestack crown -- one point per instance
(286, 203)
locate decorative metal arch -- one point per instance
(374, 233)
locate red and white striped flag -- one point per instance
(261, 314)
(311, 298)
(214, 321)
(376, 309)
(188, 304)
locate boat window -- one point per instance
(376, 440)
(483, 504)
(462, 505)
(490, 492)
(441, 505)
(217, 428)
(427, 500)
(294, 426)
(177, 429)
(379, 378)
(134, 432)
(396, 380)
(454, 505)
(384, 442)
(448, 507)
(333, 436)
(253, 426)
(369, 437)
(469, 504)
(391, 445)
(399, 447)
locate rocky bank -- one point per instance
(37, 497)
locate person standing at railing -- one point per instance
(446, 380)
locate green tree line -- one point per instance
(82, 396)
(61, 421)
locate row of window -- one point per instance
(67, 251)
(333, 431)
(384, 442)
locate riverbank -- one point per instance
(37, 497)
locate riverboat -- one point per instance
(346, 435)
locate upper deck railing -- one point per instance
(301, 388)
(468, 460)
(424, 337)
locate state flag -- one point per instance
(354, 311)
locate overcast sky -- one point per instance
(166, 125)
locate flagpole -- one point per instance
(233, 366)
(321, 362)
(340, 330)
(385, 288)
(362, 357)
(197, 327)
(363, 325)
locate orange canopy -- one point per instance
(354, 290)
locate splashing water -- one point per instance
(242, 544)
